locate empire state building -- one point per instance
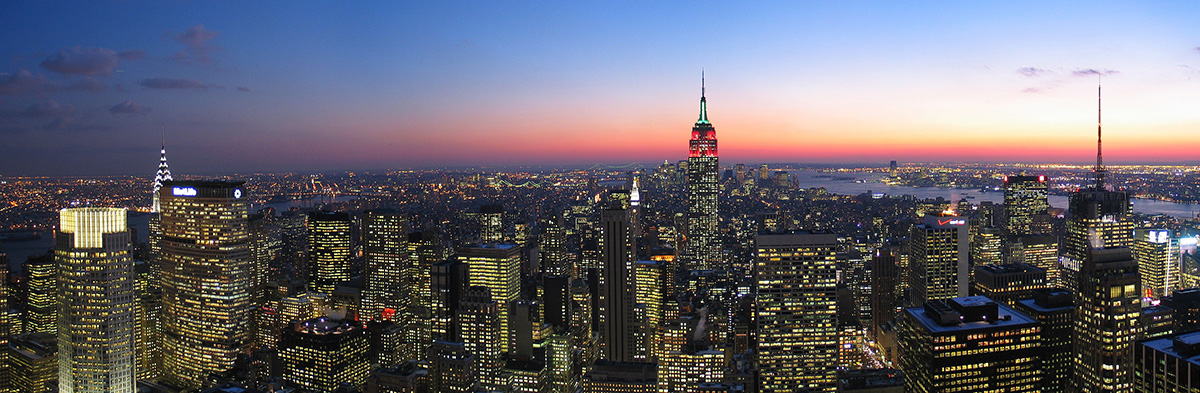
(703, 247)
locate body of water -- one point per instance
(851, 185)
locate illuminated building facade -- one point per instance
(497, 267)
(389, 274)
(652, 285)
(1053, 308)
(329, 250)
(619, 343)
(424, 250)
(683, 372)
(479, 321)
(206, 279)
(795, 279)
(1039, 251)
(320, 354)
(614, 377)
(1107, 315)
(96, 348)
(987, 244)
(703, 247)
(42, 307)
(451, 368)
(1025, 205)
(163, 175)
(148, 318)
(1157, 256)
(1008, 283)
(1167, 364)
(33, 362)
(969, 344)
(1095, 219)
(491, 224)
(938, 264)
(449, 282)
(552, 243)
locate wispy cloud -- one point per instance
(87, 61)
(243, 89)
(1093, 71)
(1033, 71)
(175, 83)
(25, 82)
(197, 48)
(129, 107)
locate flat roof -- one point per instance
(1016, 318)
(1166, 344)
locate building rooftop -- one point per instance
(967, 313)
(1185, 346)
(326, 325)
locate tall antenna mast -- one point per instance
(1100, 172)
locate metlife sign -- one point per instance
(183, 191)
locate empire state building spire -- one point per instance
(163, 174)
(702, 248)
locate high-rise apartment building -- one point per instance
(969, 344)
(497, 267)
(328, 250)
(206, 279)
(938, 266)
(320, 354)
(795, 278)
(703, 247)
(95, 301)
(1025, 205)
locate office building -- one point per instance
(497, 267)
(703, 247)
(1157, 255)
(687, 371)
(1107, 321)
(613, 377)
(1053, 308)
(450, 280)
(618, 341)
(1186, 306)
(552, 245)
(33, 362)
(1025, 205)
(451, 368)
(92, 249)
(407, 377)
(329, 250)
(322, 353)
(479, 321)
(1167, 364)
(652, 286)
(1037, 250)
(969, 344)
(491, 224)
(206, 279)
(389, 291)
(1008, 283)
(884, 277)
(41, 309)
(795, 289)
(148, 321)
(938, 266)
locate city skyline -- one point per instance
(250, 88)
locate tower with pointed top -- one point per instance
(703, 248)
(163, 174)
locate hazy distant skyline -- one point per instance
(86, 89)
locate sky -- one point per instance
(89, 88)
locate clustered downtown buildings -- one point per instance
(637, 287)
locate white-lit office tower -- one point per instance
(329, 250)
(938, 265)
(149, 321)
(552, 242)
(1157, 255)
(95, 301)
(1025, 205)
(206, 279)
(795, 288)
(703, 247)
(321, 354)
(425, 249)
(42, 307)
(652, 285)
(388, 293)
(491, 224)
(497, 267)
(686, 372)
(618, 340)
(1108, 307)
(479, 321)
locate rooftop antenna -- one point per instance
(1100, 172)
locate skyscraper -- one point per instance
(497, 267)
(552, 241)
(449, 281)
(1107, 312)
(479, 321)
(652, 286)
(1024, 200)
(703, 247)
(491, 224)
(617, 248)
(389, 274)
(329, 250)
(1157, 256)
(163, 175)
(42, 307)
(95, 301)
(795, 288)
(206, 279)
(1053, 308)
(938, 265)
